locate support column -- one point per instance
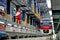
(32, 5)
(25, 20)
(29, 21)
(32, 23)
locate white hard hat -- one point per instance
(14, 8)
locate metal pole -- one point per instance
(32, 22)
(54, 36)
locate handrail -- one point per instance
(28, 31)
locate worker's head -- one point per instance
(14, 9)
(18, 9)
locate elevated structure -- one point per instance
(56, 13)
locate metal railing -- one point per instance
(11, 25)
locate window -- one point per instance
(56, 20)
(45, 24)
(56, 12)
